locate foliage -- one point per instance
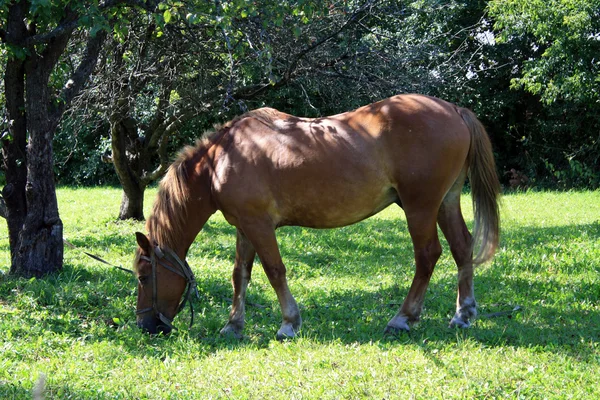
(307, 58)
(78, 327)
(556, 46)
(565, 38)
(529, 70)
(82, 146)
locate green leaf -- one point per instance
(191, 18)
(95, 29)
(167, 16)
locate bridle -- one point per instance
(157, 257)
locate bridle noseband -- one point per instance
(158, 256)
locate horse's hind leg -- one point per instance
(423, 231)
(262, 235)
(242, 270)
(455, 230)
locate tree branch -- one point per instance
(148, 5)
(62, 29)
(74, 20)
(157, 125)
(82, 73)
(250, 92)
(162, 151)
(57, 45)
(353, 18)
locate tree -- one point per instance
(560, 68)
(140, 70)
(209, 58)
(142, 89)
(162, 80)
(565, 36)
(50, 50)
(220, 59)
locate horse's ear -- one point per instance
(143, 241)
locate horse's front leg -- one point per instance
(262, 235)
(242, 270)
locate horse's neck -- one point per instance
(199, 210)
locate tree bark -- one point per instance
(14, 154)
(132, 203)
(34, 225)
(41, 237)
(125, 157)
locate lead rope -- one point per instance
(96, 257)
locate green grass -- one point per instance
(78, 327)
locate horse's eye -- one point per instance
(143, 279)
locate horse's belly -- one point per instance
(331, 209)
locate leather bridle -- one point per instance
(157, 257)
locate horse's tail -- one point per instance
(485, 189)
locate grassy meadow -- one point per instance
(538, 334)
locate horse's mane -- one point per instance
(169, 213)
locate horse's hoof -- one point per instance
(396, 330)
(458, 322)
(397, 325)
(232, 332)
(464, 314)
(286, 332)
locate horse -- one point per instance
(267, 169)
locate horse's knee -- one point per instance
(276, 273)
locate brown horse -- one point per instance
(268, 169)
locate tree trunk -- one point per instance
(35, 228)
(40, 250)
(14, 154)
(132, 203)
(41, 238)
(125, 157)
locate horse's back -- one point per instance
(333, 171)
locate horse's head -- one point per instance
(162, 280)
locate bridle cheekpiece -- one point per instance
(157, 257)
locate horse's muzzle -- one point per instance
(153, 325)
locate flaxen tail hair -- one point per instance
(485, 189)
